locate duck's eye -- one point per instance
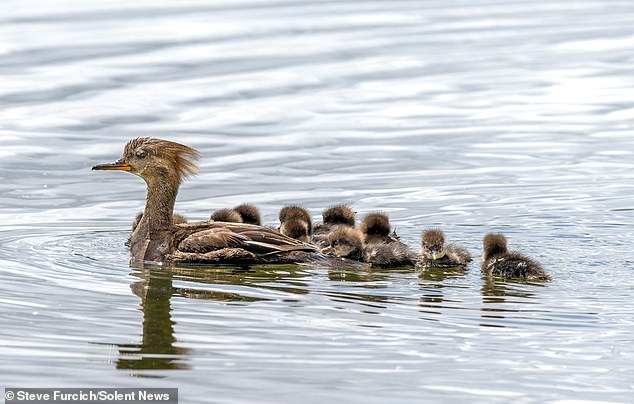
(140, 154)
(335, 243)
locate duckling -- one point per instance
(296, 212)
(297, 229)
(249, 214)
(376, 229)
(347, 242)
(226, 215)
(497, 260)
(334, 218)
(295, 222)
(436, 254)
(164, 165)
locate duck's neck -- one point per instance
(159, 204)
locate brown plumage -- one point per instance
(376, 227)
(334, 218)
(295, 222)
(226, 215)
(177, 220)
(163, 165)
(294, 212)
(339, 214)
(497, 260)
(249, 214)
(435, 253)
(347, 242)
(297, 229)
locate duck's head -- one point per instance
(339, 214)
(226, 215)
(376, 225)
(294, 212)
(156, 159)
(494, 244)
(249, 214)
(432, 242)
(297, 229)
(345, 242)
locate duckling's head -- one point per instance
(249, 214)
(297, 229)
(226, 215)
(494, 244)
(346, 242)
(432, 241)
(339, 214)
(156, 159)
(294, 212)
(376, 225)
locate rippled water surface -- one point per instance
(474, 116)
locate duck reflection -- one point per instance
(500, 297)
(432, 285)
(158, 349)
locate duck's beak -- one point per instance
(115, 165)
(437, 255)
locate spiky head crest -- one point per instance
(152, 155)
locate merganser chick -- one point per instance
(249, 213)
(497, 260)
(347, 242)
(334, 218)
(226, 215)
(295, 222)
(436, 254)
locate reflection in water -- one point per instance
(366, 280)
(496, 290)
(157, 348)
(432, 287)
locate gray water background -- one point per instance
(473, 116)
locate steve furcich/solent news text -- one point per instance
(67, 395)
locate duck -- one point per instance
(226, 215)
(177, 219)
(497, 260)
(347, 242)
(295, 222)
(164, 165)
(249, 214)
(334, 217)
(435, 254)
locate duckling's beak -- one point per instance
(328, 250)
(115, 165)
(437, 255)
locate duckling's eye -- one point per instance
(335, 243)
(140, 154)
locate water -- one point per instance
(509, 116)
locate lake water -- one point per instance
(474, 116)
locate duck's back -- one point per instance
(514, 265)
